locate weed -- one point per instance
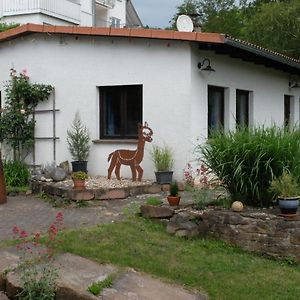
(81, 203)
(96, 287)
(153, 201)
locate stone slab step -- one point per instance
(76, 274)
(137, 286)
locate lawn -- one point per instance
(224, 272)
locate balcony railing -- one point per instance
(107, 3)
(62, 9)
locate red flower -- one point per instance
(23, 234)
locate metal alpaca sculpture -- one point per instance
(131, 158)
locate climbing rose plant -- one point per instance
(16, 122)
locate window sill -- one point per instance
(120, 141)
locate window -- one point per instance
(287, 110)
(215, 109)
(120, 111)
(242, 108)
(115, 22)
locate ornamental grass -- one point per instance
(248, 159)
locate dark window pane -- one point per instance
(112, 114)
(133, 111)
(287, 110)
(242, 108)
(215, 108)
(120, 111)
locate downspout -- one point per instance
(94, 13)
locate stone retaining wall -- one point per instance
(94, 194)
(257, 231)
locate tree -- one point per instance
(276, 26)
(211, 15)
(273, 24)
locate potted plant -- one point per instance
(173, 198)
(78, 139)
(163, 161)
(286, 189)
(79, 178)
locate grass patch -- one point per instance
(17, 189)
(96, 287)
(225, 272)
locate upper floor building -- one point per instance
(100, 13)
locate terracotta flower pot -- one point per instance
(173, 200)
(79, 184)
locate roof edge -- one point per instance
(114, 32)
(263, 52)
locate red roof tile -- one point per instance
(121, 32)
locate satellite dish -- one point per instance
(184, 23)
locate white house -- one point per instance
(116, 78)
(102, 13)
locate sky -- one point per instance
(156, 13)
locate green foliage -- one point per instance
(5, 26)
(202, 197)
(96, 287)
(174, 189)
(16, 173)
(273, 24)
(281, 18)
(200, 264)
(79, 175)
(38, 285)
(285, 186)
(247, 160)
(81, 203)
(16, 123)
(153, 201)
(162, 158)
(78, 139)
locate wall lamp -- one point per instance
(205, 65)
(294, 85)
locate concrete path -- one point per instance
(33, 214)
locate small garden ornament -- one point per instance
(131, 158)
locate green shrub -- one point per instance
(16, 173)
(202, 197)
(247, 160)
(174, 189)
(153, 201)
(285, 186)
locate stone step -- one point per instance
(76, 274)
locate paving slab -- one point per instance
(138, 286)
(76, 274)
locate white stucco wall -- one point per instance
(119, 11)
(174, 90)
(35, 19)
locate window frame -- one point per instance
(123, 90)
(222, 123)
(287, 119)
(247, 94)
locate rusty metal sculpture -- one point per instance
(2, 183)
(131, 158)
